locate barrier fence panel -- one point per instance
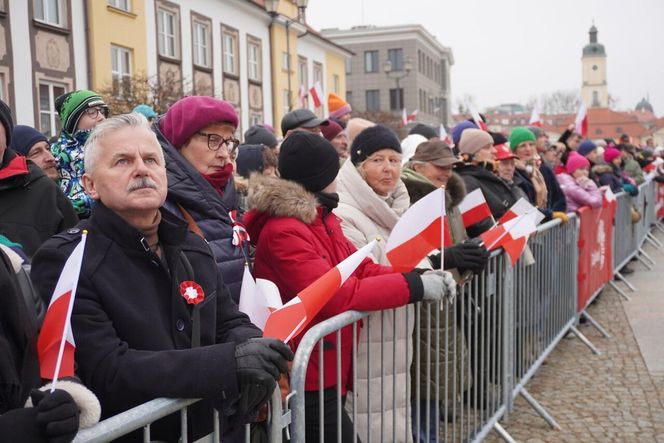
(624, 245)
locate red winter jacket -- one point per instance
(297, 242)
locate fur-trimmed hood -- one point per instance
(602, 169)
(275, 197)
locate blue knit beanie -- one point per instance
(24, 138)
(586, 147)
(458, 130)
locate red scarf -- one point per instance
(219, 179)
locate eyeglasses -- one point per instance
(95, 111)
(216, 141)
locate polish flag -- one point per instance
(581, 121)
(418, 232)
(535, 118)
(55, 344)
(316, 92)
(474, 208)
(522, 207)
(258, 299)
(289, 320)
(445, 137)
(407, 118)
(476, 116)
(302, 96)
(511, 236)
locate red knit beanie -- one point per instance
(610, 154)
(576, 161)
(190, 114)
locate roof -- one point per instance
(644, 105)
(311, 31)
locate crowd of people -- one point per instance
(160, 195)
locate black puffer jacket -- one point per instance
(188, 189)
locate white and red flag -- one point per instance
(445, 137)
(418, 232)
(407, 118)
(240, 234)
(535, 117)
(581, 120)
(258, 299)
(302, 96)
(512, 236)
(289, 320)
(474, 208)
(476, 116)
(316, 92)
(522, 207)
(55, 344)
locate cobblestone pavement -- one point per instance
(606, 398)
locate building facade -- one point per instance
(424, 87)
(594, 89)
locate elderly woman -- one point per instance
(197, 135)
(298, 239)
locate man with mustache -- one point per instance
(152, 316)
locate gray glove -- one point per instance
(438, 286)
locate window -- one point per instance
(285, 61)
(396, 99)
(50, 11)
(286, 104)
(318, 74)
(349, 98)
(120, 4)
(595, 100)
(201, 42)
(255, 118)
(349, 65)
(2, 85)
(336, 83)
(371, 61)
(166, 30)
(373, 99)
(121, 70)
(229, 40)
(302, 73)
(49, 122)
(395, 56)
(254, 60)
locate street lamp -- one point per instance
(301, 7)
(398, 75)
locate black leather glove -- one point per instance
(468, 255)
(57, 415)
(259, 361)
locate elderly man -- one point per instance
(302, 120)
(33, 207)
(152, 316)
(338, 138)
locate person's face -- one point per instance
(438, 175)
(650, 143)
(506, 169)
(199, 148)
(340, 143)
(526, 151)
(381, 171)
(592, 156)
(552, 157)
(541, 142)
(344, 118)
(40, 154)
(617, 161)
(573, 141)
(486, 154)
(270, 171)
(91, 117)
(580, 172)
(130, 176)
(3, 142)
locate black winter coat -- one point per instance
(188, 188)
(497, 193)
(32, 206)
(609, 175)
(132, 326)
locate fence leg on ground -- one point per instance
(585, 340)
(503, 433)
(654, 241)
(646, 256)
(643, 261)
(539, 408)
(619, 291)
(660, 226)
(624, 280)
(596, 324)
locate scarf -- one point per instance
(219, 179)
(150, 234)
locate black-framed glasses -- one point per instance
(96, 110)
(216, 141)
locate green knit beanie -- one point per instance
(70, 107)
(520, 135)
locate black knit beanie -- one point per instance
(373, 139)
(6, 121)
(309, 160)
(425, 131)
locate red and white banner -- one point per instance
(535, 117)
(407, 118)
(522, 207)
(476, 116)
(316, 94)
(289, 320)
(418, 232)
(474, 208)
(512, 236)
(595, 244)
(55, 344)
(581, 120)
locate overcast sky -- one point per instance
(510, 50)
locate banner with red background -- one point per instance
(659, 202)
(595, 245)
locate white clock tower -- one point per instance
(594, 90)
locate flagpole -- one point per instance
(442, 230)
(70, 308)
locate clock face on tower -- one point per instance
(594, 67)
